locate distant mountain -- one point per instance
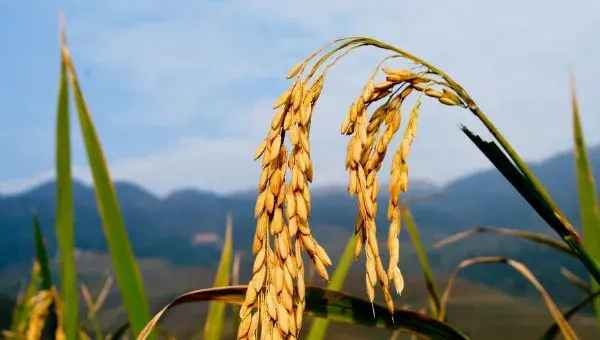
(166, 227)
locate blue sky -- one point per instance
(182, 95)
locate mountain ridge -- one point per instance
(166, 226)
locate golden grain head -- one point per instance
(275, 302)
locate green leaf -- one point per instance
(127, 272)
(65, 208)
(235, 280)
(536, 199)
(526, 235)
(588, 201)
(331, 305)
(413, 232)
(213, 328)
(318, 328)
(41, 254)
(46, 277)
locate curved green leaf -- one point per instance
(331, 305)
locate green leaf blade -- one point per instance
(318, 328)
(413, 232)
(588, 201)
(332, 305)
(127, 272)
(534, 196)
(41, 254)
(65, 225)
(46, 278)
(215, 319)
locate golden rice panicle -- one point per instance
(270, 226)
(274, 305)
(363, 183)
(364, 159)
(40, 304)
(399, 184)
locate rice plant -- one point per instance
(276, 300)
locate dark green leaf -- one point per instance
(332, 305)
(536, 199)
(42, 258)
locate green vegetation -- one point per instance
(213, 327)
(43, 308)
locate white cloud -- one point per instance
(191, 61)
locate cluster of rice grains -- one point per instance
(275, 297)
(39, 309)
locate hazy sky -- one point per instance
(182, 93)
